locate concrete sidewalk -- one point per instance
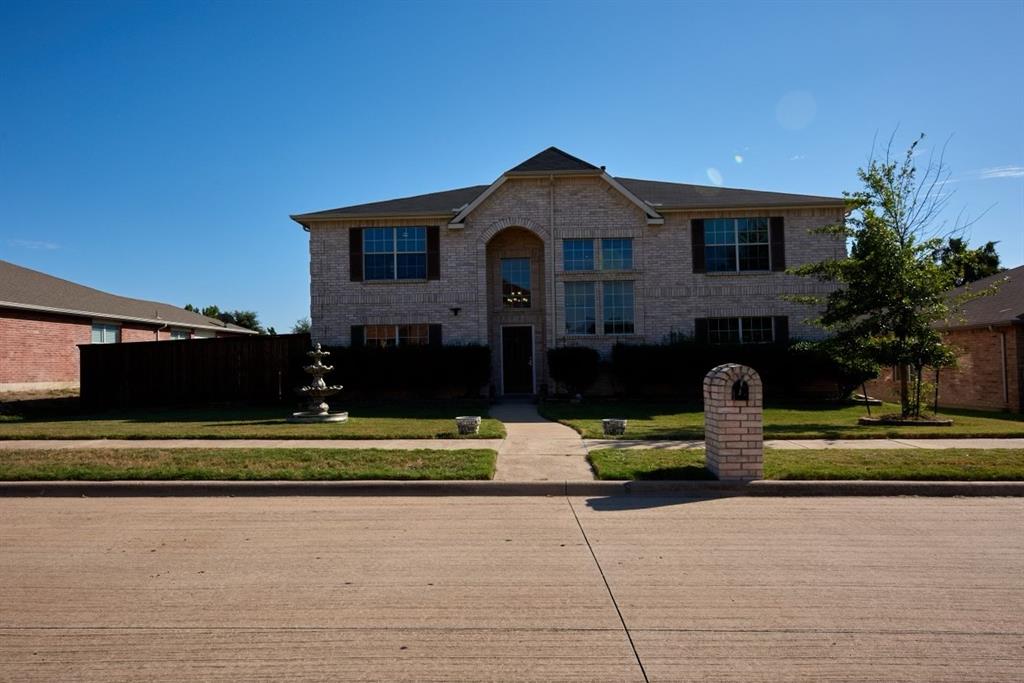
(394, 444)
(621, 588)
(536, 449)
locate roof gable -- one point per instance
(553, 160)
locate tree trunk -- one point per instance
(917, 391)
(904, 390)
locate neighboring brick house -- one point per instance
(43, 319)
(989, 337)
(558, 252)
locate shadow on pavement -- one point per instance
(642, 501)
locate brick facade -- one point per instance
(545, 210)
(982, 379)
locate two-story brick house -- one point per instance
(558, 252)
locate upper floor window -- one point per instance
(617, 254)
(515, 282)
(106, 333)
(578, 254)
(736, 244)
(580, 308)
(395, 253)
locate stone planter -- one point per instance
(613, 426)
(468, 424)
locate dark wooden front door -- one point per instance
(517, 360)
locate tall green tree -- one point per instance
(969, 265)
(301, 326)
(892, 288)
(247, 319)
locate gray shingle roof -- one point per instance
(29, 289)
(661, 196)
(552, 160)
(1004, 307)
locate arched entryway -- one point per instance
(516, 299)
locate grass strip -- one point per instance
(952, 464)
(655, 421)
(391, 421)
(293, 464)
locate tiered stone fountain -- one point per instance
(317, 391)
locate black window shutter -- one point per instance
(434, 335)
(781, 329)
(433, 252)
(777, 236)
(355, 254)
(700, 330)
(357, 336)
(697, 244)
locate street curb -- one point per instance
(697, 489)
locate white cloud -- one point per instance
(798, 157)
(34, 244)
(1001, 172)
(738, 158)
(715, 176)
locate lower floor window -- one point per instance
(580, 308)
(397, 335)
(618, 307)
(752, 330)
(179, 334)
(105, 333)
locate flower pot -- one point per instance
(468, 424)
(614, 426)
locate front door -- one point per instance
(517, 359)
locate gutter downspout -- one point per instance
(1002, 357)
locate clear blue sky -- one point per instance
(156, 149)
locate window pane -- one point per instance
(578, 254)
(754, 257)
(179, 334)
(515, 282)
(757, 330)
(579, 308)
(720, 259)
(379, 266)
(719, 231)
(411, 239)
(378, 240)
(617, 254)
(412, 266)
(618, 307)
(413, 335)
(752, 230)
(380, 335)
(724, 330)
(105, 333)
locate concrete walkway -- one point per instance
(536, 449)
(817, 444)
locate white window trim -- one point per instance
(398, 336)
(394, 254)
(739, 321)
(736, 247)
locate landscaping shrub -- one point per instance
(574, 366)
(678, 368)
(417, 371)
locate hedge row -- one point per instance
(416, 371)
(787, 371)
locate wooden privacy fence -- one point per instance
(252, 369)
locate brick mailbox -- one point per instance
(733, 432)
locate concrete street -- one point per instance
(502, 589)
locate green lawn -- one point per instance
(955, 464)
(366, 421)
(244, 464)
(682, 421)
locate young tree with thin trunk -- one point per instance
(892, 289)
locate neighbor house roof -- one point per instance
(660, 196)
(1004, 307)
(27, 289)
